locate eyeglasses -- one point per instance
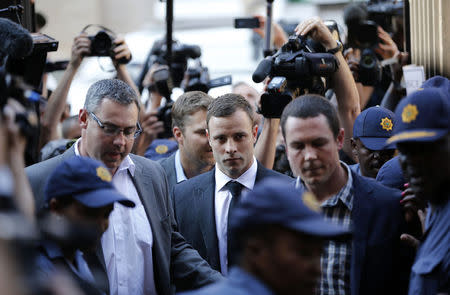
(113, 130)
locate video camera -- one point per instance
(180, 55)
(23, 57)
(197, 79)
(297, 67)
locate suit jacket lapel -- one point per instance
(205, 210)
(361, 216)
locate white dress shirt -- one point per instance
(179, 168)
(222, 203)
(127, 243)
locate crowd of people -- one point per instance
(343, 193)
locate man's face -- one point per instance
(312, 149)
(427, 167)
(370, 161)
(91, 221)
(249, 93)
(193, 142)
(289, 263)
(110, 149)
(232, 139)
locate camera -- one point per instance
(102, 43)
(302, 63)
(180, 55)
(165, 115)
(197, 78)
(364, 35)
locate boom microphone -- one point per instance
(16, 41)
(263, 70)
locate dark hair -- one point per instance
(309, 106)
(188, 104)
(113, 89)
(227, 104)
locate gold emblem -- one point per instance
(409, 113)
(310, 201)
(161, 149)
(386, 124)
(104, 174)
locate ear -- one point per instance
(208, 136)
(178, 135)
(83, 118)
(340, 138)
(255, 133)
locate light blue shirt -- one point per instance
(239, 282)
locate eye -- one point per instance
(110, 129)
(239, 136)
(129, 131)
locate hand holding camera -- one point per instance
(318, 31)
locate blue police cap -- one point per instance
(373, 126)
(276, 202)
(161, 148)
(423, 116)
(391, 174)
(86, 180)
(442, 83)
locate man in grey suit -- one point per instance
(144, 239)
(194, 155)
(202, 203)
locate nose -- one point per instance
(376, 154)
(120, 139)
(230, 146)
(310, 153)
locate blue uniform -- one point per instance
(238, 282)
(355, 168)
(431, 270)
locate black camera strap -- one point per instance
(100, 27)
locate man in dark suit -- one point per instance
(143, 239)
(194, 155)
(371, 263)
(201, 204)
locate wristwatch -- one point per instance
(336, 49)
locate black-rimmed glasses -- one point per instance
(113, 130)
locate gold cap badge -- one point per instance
(104, 174)
(409, 113)
(310, 201)
(161, 149)
(386, 124)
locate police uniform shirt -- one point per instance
(431, 270)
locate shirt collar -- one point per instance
(178, 168)
(247, 178)
(53, 250)
(127, 163)
(345, 194)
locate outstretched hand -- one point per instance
(318, 31)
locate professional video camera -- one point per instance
(197, 78)
(22, 64)
(180, 55)
(296, 68)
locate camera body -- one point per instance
(298, 66)
(101, 43)
(365, 37)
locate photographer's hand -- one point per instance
(80, 48)
(387, 48)
(318, 31)
(151, 127)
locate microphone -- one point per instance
(16, 41)
(263, 70)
